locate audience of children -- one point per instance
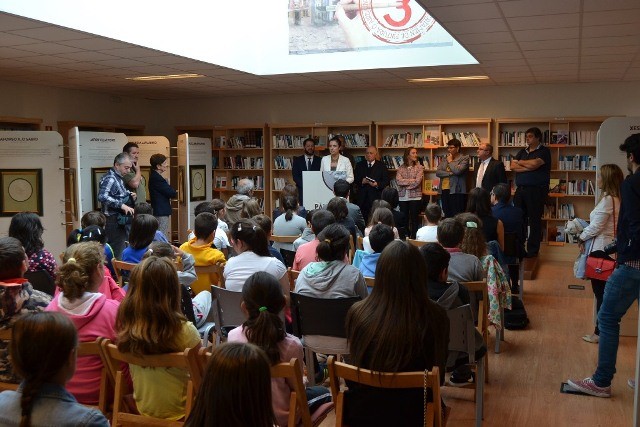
(391, 196)
(205, 226)
(289, 190)
(379, 237)
(143, 231)
(17, 297)
(289, 224)
(396, 329)
(479, 203)
(330, 276)
(43, 353)
(92, 313)
(306, 253)
(150, 322)
(93, 218)
(307, 234)
(220, 240)
(262, 303)
(242, 371)
(462, 267)
(219, 211)
(429, 232)
(145, 208)
(380, 215)
(27, 228)
(264, 222)
(250, 243)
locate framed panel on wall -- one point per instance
(21, 191)
(198, 181)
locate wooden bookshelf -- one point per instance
(430, 138)
(286, 142)
(572, 142)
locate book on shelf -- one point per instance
(289, 141)
(467, 139)
(214, 162)
(435, 184)
(518, 138)
(431, 137)
(549, 211)
(258, 181)
(583, 137)
(353, 140)
(282, 162)
(279, 183)
(554, 185)
(407, 139)
(563, 186)
(221, 181)
(427, 185)
(560, 137)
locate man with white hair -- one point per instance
(245, 189)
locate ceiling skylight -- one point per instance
(265, 36)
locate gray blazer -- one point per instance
(457, 176)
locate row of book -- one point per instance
(577, 162)
(251, 139)
(431, 138)
(518, 138)
(240, 162)
(353, 140)
(279, 183)
(283, 162)
(581, 137)
(258, 181)
(564, 211)
(289, 141)
(574, 187)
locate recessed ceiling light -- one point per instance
(167, 77)
(447, 79)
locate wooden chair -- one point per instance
(370, 281)
(41, 281)
(292, 371)
(288, 257)
(462, 339)
(227, 312)
(6, 335)
(430, 379)
(121, 415)
(94, 348)
(417, 243)
(284, 239)
(352, 249)
(119, 266)
(293, 275)
(359, 243)
(212, 269)
(480, 295)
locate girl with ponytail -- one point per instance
(92, 313)
(289, 224)
(262, 303)
(43, 351)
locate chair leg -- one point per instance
(480, 393)
(498, 339)
(311, 369)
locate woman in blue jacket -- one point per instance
(161, 192)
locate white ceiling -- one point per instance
(515, 42)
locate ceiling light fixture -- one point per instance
(447, 79)
(167, 77)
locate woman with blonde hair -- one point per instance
(150, 322)
(409, 178)
(602, 227)
(92, 313)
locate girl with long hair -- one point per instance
(396, 329)
(143, 231)
(235, 389)
(43, 352)
(602, 227)
(252, 248)
(409, 179)
(479, 203)
(262, 303)
(93, 314)
(150, 322)
(380, 215)
(26, 227)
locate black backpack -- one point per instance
(516, 318)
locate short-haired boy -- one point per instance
(379, 237)
(429, 233)
(205, 226)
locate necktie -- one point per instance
(308, 163)
(480, 174)
(369, 165)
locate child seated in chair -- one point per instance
(264, 222)
(93, 218)
(429, 232)
(17, 297)
(200, 247)
(449, 295)
(379, 237)
(462, 267)
(307, 234)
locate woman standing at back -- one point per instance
(602, 227)
(409, 178)
(396, 329)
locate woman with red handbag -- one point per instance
(602, 227)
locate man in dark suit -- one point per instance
(489, 172)
(513, 220)
(307, 162)
(371, 177)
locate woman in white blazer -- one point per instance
(602, 224)
(335, 161)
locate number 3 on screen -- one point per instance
(404, 5)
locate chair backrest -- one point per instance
(212, 269)
(352, 249)
(479, 295)
(6, 334)
(288, 256)
(293, 276)
(320, 316)
(119, 267)
(360, 243)
(228, 312)
(461, 331)
(417, 243)
(41, 281)
(115, 360)
(292, 371)
(284, 239)
(94, 348)
(421, 380)
(370, 281)
(512, 245)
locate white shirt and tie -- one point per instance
(309, 162)
(482, 167)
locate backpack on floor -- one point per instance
(516, 318)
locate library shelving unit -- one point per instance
(63, 128)
(286, 143)
(20, 123)
(572, 188)
(430, 137)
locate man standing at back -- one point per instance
(371, 177)
(489, 172)
(307, 162)
(622, 287)
(117, 202)
(533, 171)
(133, 179)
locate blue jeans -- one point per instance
(621, 291)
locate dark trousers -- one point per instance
(453, 204)
(598, 291)
(116, 235)
(531, 200)
(411, 210)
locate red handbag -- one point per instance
(601, 268)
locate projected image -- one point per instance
(324, 26)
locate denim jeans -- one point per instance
(621, 291)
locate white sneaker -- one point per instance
(593, 338)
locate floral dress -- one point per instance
(43, 260)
